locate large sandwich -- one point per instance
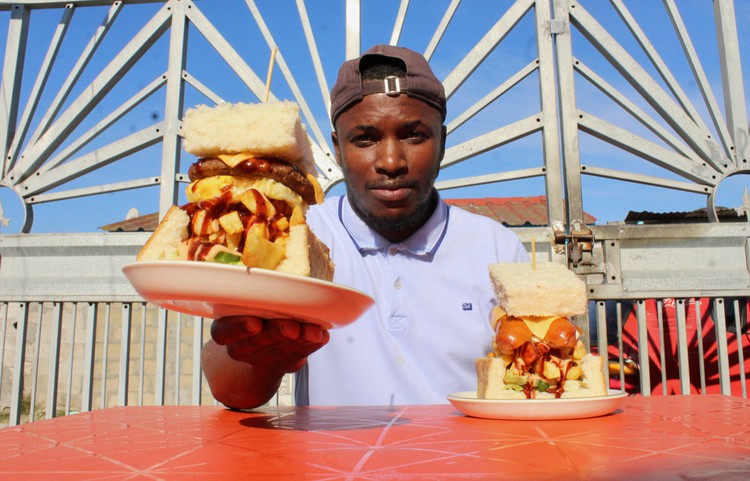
(537, 350)
(249, 193)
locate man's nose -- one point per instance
(391, 158)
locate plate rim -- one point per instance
(137, 268)
(611, 394)
(537, 409)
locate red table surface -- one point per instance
(669, 437)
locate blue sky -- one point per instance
(605, 199)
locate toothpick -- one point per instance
(533, 252)
(270, 72)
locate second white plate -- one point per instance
(215, 290)
(537, 409)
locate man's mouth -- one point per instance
(392, 192)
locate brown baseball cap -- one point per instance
(420, 81)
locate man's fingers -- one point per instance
(230, 329)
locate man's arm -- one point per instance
(247, 357)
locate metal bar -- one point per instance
(398, 25)
(10, 88)
(490, 140)
(551, 147)
(601, 337)
(701, 356)
(620, 344)
(76, 71)
(177, 359)
(35, 363)
(490, 178)
(496, 93)
(202, 88)
(95, 190)
(39, 4)
(16, 399)
(646, 180)
(197, 373)
(740, 347)
(320, 74)
(682, 347)
(722, 350)
(643, 348)
(126, 320)
(440, 30)
(568, 118)
(662, 350)
(89, 357)
(484, 47)
(142, 359)
(647, 150)
(3, 330)
(353, 15)
(174, 99)
(161, 357)
(36, 154)
(105, 356)
(732, 79)
(699, 74)
(71, 357)
(41, 80)
(54, 360)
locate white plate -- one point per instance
(537, 409)
(215, 290)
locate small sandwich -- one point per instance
(249, 193)
(537, 350)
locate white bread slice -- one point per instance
(162, 245)
(306, 255)
(547, 289)
(272, 129)
(490, 384)
(491, 371)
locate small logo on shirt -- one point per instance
(466, 306)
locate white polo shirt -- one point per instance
(429, 323)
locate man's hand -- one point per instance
(271, 345)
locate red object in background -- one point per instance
(664, 376)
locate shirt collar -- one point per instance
(423, 242)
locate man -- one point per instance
(392, 237)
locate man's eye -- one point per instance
(363, 140)
(416, 136)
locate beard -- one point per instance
(405, 222)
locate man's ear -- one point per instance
(442, 143)
(335, 141)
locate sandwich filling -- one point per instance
(540, 354)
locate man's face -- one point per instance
(390, 149)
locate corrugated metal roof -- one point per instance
(509, 211)
(699, 215)
(512, 211)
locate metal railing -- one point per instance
(63, 357)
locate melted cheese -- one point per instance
(539, 324)
(319, 195)
(233, 159)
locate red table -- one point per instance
(672, 437)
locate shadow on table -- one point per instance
(336, 418)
